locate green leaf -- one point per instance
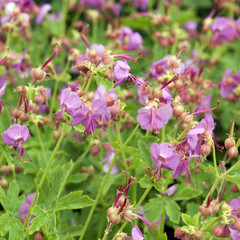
(53, 185)
(144, 144)
(79, 128)
(110, 181)
(130, 150)
(187, 219)
(11, 224)
(5, 120)
(155, 208)
(60, 176)
(74, 200)
(210, 222)
(77, 177)
(3, 198)
(13, 202)
(140, 22)
(44, 218)
(234, 179)
(185, 192)
(111, 134)
(163, 237)
(208, 169)
(172, 210)
(8, 156)
(145, 182)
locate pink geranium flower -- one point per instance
(15, 136)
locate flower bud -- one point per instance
(115, 110)
(205, 149)
(187, 237)
(95, 150)
(80, 66)
(113, 215)
(80, 92)
(38, 236)
(3, 182)
(110, 101)
(39, 99)
(38, 74)
(121, 236)
(157, 93)
(128, 214)
(16, 113)
(178, 110)
(233, 152)
(214, 207)
(24, 117)
(108, 146)
(229, 143)
(187, 118)
(17, 169)
(234, 188)
(218, 231)
(57, 134)
(92, 53)
(206, 212)
(226, 232)
(198, 235)
(32, 107)
(5, 169)
(226, 208)
(178, 233)
(106, 58)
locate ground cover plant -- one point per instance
(119, 119)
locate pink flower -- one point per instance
(108, 160)
(44, 9)
(151, 118)
(204, 104)
(26, 205)
(136, 233)
(15, 136)
(69, 102)
(121, 74)
(164, 156)
(89, 116)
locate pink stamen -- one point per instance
(84, 38)
(206, 110)
(52, 57)
(183, 93)
(146, 221)
(124, 56)
(172, 80)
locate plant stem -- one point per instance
(234, 167)
(42, 179)
(98, 197)
(79, 160)
(161, 228)
(1, 158)
(41, 144)
(131, 136)
(214, 157)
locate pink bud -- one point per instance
(233, 152)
